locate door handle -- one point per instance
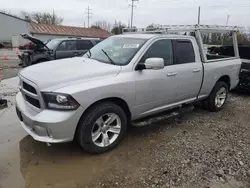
(172, 74)
(197, 70)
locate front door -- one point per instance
(155, 89)
(66, 49)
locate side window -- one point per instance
(67, 46)
(97, 41)
(160, 49)
(184, 52)
(84, 45)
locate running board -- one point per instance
(162, 116)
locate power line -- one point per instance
(89, 14)
(132, 12)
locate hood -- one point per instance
(53, 75)
(34, 40)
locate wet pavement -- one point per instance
(10, 68)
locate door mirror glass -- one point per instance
(154, 63)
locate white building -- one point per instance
(11, 27)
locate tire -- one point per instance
(89, 126)
(210, 103)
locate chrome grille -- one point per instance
(30, 93)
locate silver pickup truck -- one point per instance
(92, 99)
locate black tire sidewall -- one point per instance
(209, 103)
(87, 122)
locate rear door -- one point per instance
(187, 68)
(83, 46)
(66, 49)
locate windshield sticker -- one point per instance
(131, 46)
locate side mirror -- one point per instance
(154, 63)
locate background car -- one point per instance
(55, 49)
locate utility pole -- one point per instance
(132, 12)
(228, 16)
(89, 13)
(199, 15)
(54, 18)
(222, 42)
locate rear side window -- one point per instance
(67, 46)
(184, 52)
(160, 49)
(84, 45)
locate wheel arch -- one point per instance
(226, 79)
(116, 100)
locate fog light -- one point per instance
(41, 131)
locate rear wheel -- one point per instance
(217, 98)
(102, 128)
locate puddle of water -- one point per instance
(24, 161)
(10, 135)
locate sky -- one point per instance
(146, 11)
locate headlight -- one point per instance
(59, 101)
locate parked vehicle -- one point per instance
(55, 49)
(244, 52)
(121, 79)
(1, 45)
(27, 46)
(5, 44)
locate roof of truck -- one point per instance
(149, 36)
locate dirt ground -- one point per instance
(197, 150)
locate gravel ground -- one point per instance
(210, 150)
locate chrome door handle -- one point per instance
(197, 70)
(172, 74)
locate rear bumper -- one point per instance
(48, 125)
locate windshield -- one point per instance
(52, 44)
(119, 50)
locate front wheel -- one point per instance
(102, 128)
(217, 98)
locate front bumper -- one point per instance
(48, 126)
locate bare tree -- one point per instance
(25, 15)
(102, 24)
(5, 11)
(118, 27)
(42, 17)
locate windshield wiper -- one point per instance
(89, 55)
(111, 60)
